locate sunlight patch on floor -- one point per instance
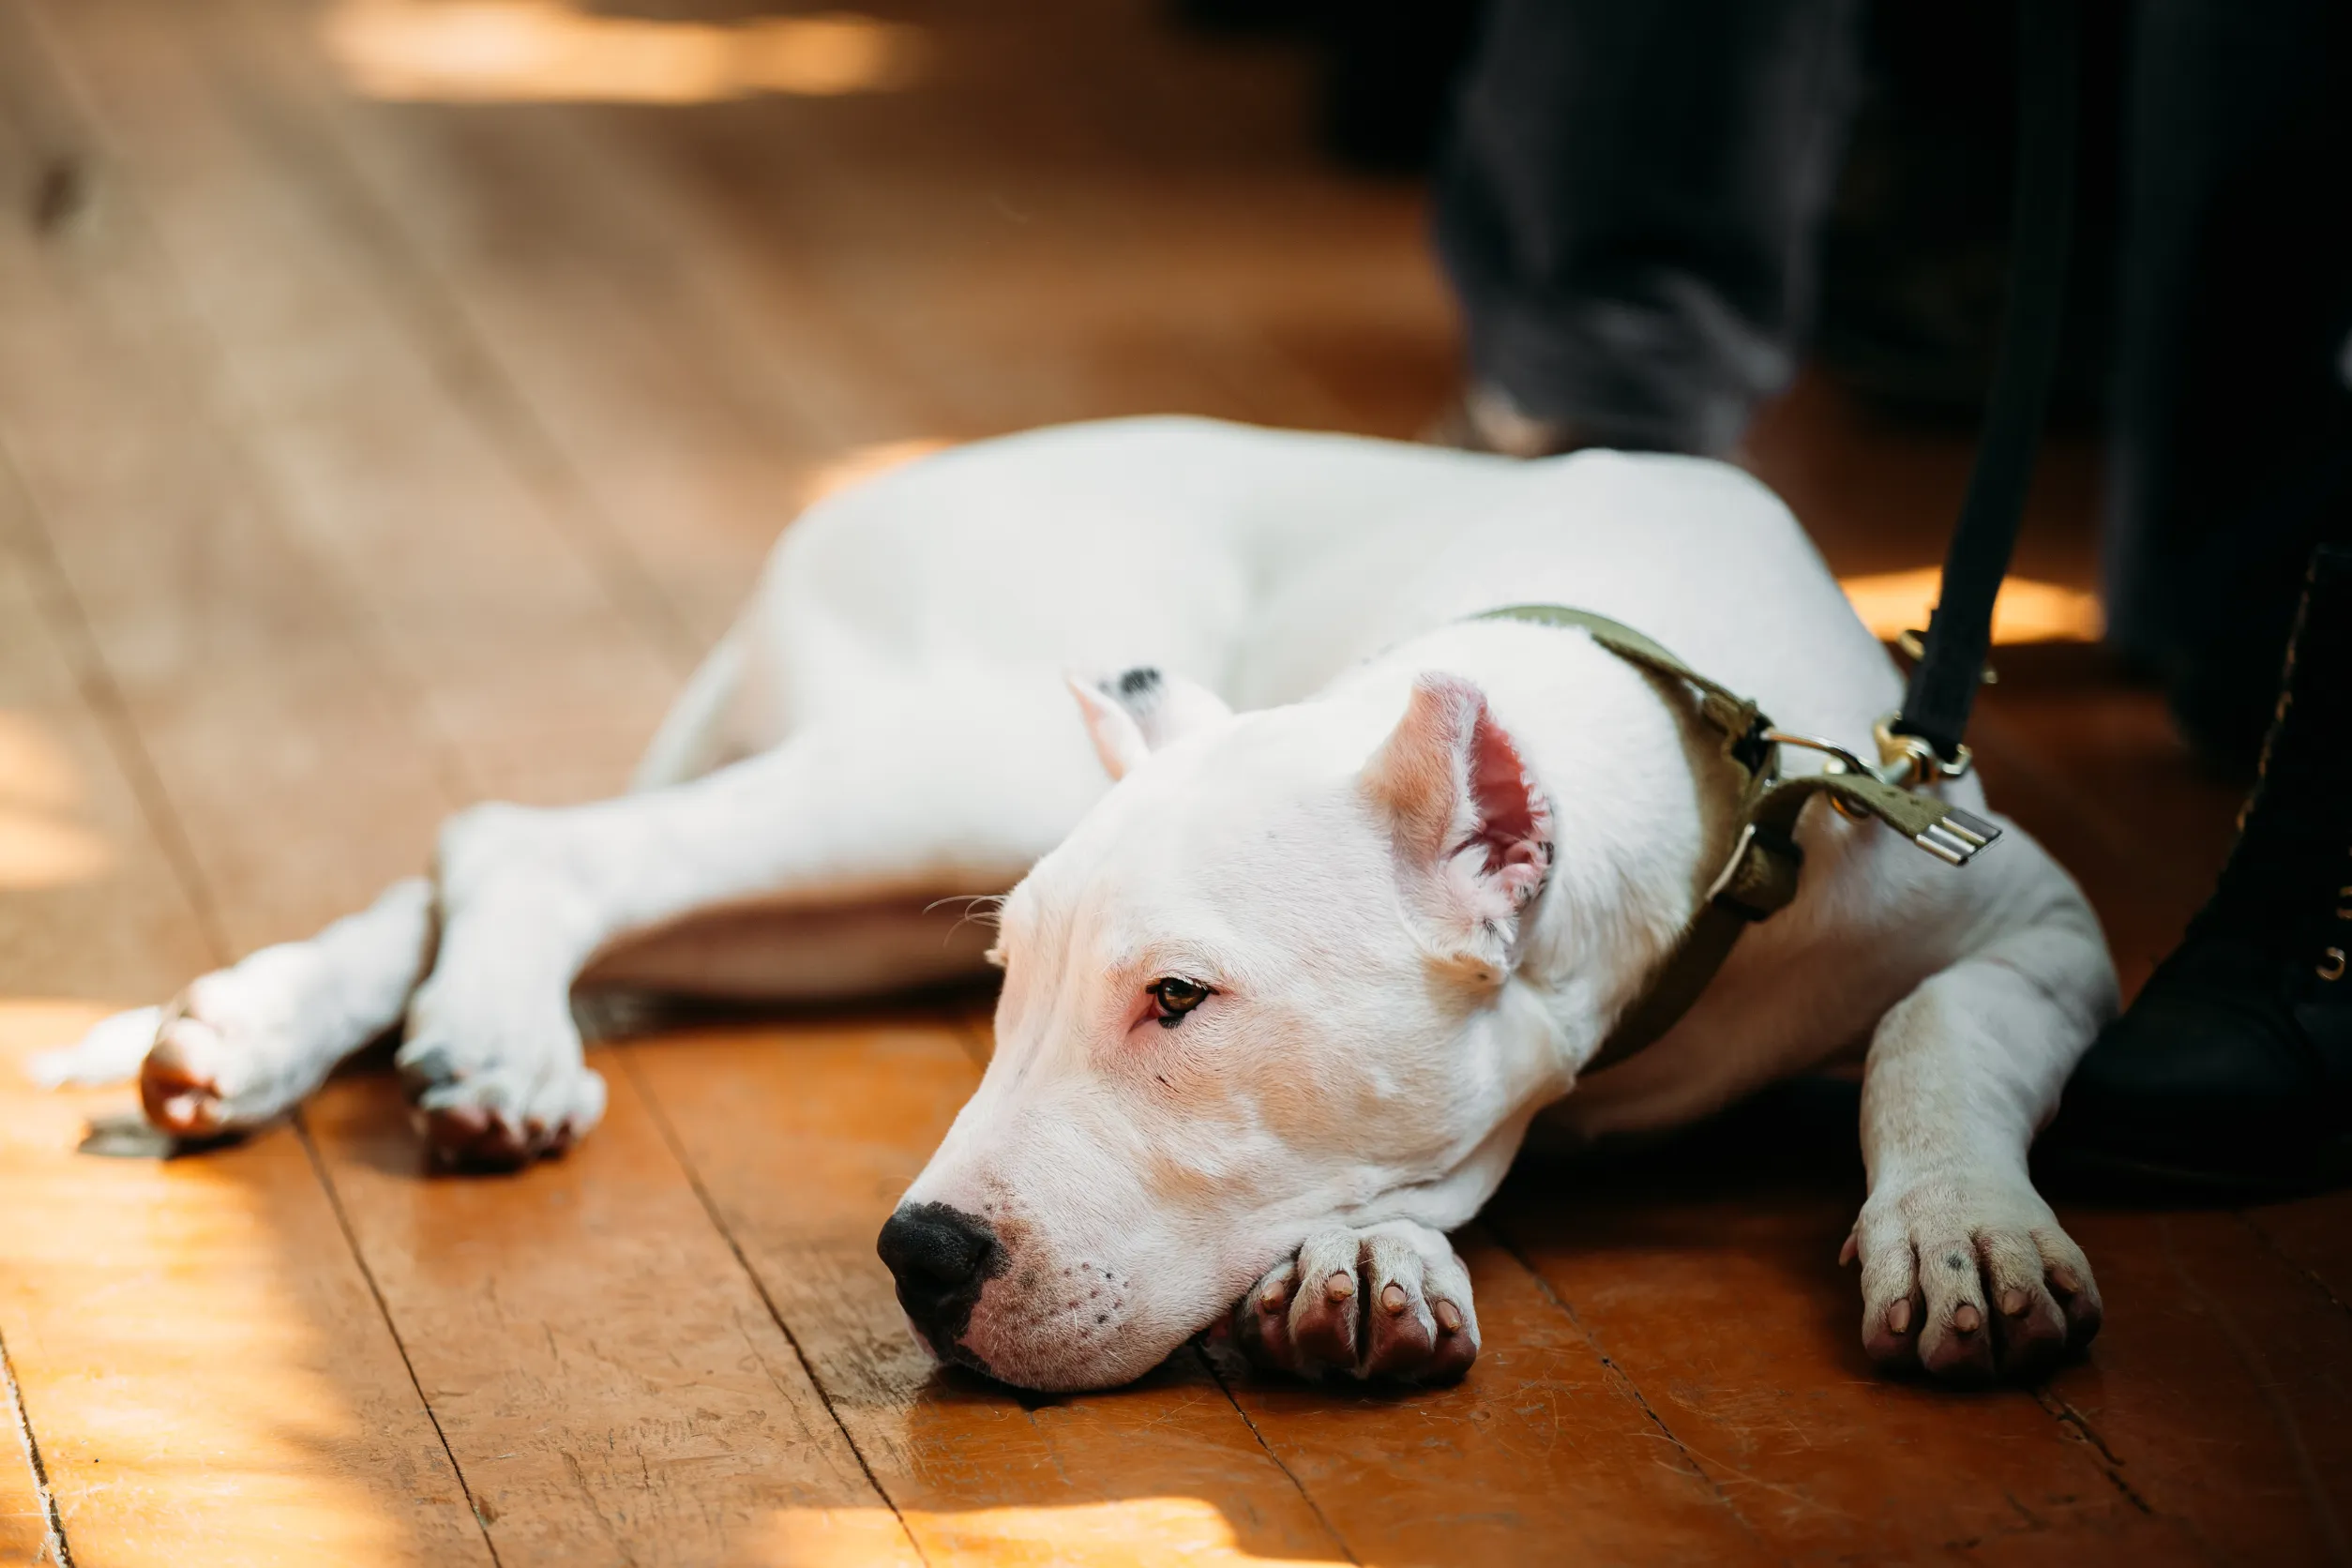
(543, 51)
(1132, 1532)
(2028, 610)
(40, 845)
(165, 1320)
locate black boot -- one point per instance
(2232, 1072)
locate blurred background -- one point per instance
(398, 397)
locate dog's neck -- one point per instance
(1637, 839)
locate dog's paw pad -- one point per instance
(226, 1058)
(181, 1081)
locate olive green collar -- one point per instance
(1759, 878)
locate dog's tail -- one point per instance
(693, 738)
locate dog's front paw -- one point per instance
(492, 1059)
(1391, 1303)
(497, 1086)
(1968, 1275)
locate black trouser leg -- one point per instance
(2231, 444)
(1629, 203)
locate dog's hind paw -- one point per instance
(1391, 1304)
(1969, 1276)
(241, 1047)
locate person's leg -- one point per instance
(2232, 1067)
(1628, 205)
(2230, 451)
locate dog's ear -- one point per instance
(1138, 711)
(1472, 828)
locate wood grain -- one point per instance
(1546, 1453)
(473, 598)
(200, 1356)
(361, 405)
(2314, 1236)
(298, 781)
(197, 1350)
(2218, 1389)
(603, 1369)
(1730, 1312)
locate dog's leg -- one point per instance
(1964, 1268)
(1390, 1303)
(242, 1045)
(958, 787)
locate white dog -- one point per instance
(1374, 883)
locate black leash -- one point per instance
(1761, 875)
(1943, 684)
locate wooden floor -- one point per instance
(360, 458)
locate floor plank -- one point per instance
(1727, 1308)
(76, 909)
(839, 1120)
(2315, 1235)
(1546, 1454)
(361, 404)
(609, 1381)
(26, 1533)
(703, 1393)
(696, 391)
(300, 783)
(739, 265)
(2218, 1388)
(198, 1352)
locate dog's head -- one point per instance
(1264, 985)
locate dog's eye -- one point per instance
(1176, 997)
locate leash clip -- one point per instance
(1840, 760)
(1906, 763)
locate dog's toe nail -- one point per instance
(1340, 1286)
(1449, 1317)
(1899, 1316)
(463, 1121)
(2014, 1301)
(423, 1069)
(1965, 1319)
(1392, 1298)
(1271, 1299)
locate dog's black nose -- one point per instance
(940, 1257)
